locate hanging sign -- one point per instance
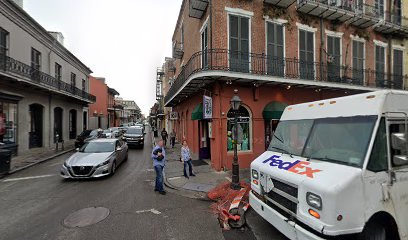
(173, 116)
(207, 107)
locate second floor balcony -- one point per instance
(353, 12)
(252, 69)
(14, 69)
(392, 23)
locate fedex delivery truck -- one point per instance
(337, 169)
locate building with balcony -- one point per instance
(44, 88)
(130, 113)
(112, 108)
(276, 53)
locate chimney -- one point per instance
(20, 3)
(58, 36)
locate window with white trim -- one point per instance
(379, 63)
(333, 58)
(379, 7)
(275, 49)
(204, 47)
(239, 43)
(306, 54)
(4, 42)
(358, 61)
(244, 129)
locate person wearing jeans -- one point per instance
(159, 160)
(186, 158)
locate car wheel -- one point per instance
(113, 169)
(374, 231)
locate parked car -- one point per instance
(107, 133)
(115, 131)
(96, 158)
(87, 135)
(134, 136)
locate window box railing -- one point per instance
(287, 68)
(8, 64)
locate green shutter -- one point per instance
(197, 113)
(273, 110)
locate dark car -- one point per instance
(134, 136)
(86, 136)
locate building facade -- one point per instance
(98, 111)
(112, 108)
(44, 88)
(275, 53)
(130, 113)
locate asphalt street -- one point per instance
(35, 202)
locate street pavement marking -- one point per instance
(172, 178)
(28, 178)
(229, 179)
(154, 211)
(150, 170)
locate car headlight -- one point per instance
(314, 200)
(104, 163)
(255, 174)
(141, 138)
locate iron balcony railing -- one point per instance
(289, 68)
(8, 64)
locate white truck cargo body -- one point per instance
(337, 168)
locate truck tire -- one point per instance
(374, 231)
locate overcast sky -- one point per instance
(122, 40)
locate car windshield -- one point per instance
(85, 133)
(98, 147)
(134, 131)
(94, 133)
(106, 131)
(341, 140)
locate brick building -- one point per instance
(276, 53)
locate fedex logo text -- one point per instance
(299, 167)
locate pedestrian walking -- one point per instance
(159, 161)
(172, 138)
(186, 158)
(164, 136)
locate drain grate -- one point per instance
(86, 217)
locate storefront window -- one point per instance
(8, 123)
(244, 122)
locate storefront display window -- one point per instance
(8, 123)
(244, 121)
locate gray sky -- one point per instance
(121, 40)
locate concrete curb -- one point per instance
(40, 161)
(168, 184)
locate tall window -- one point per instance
(239, 43)
(397, 68)
(306, 54)
(204, 47)
(379, 7)
(244, 121)
(4, 42)
(35, 60)
(275, 48)
(358, 61)
(58, 72)
(333, 58)
(73, 80)
(83, 85)
(397, 12)
(380, 64)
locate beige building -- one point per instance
(44, 90)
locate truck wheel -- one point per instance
(374, 231)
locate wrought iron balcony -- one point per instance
(391, 23)
(280, 3)
(178, 50)
(350, 12)
(32, 75)
(197, 8)
(278, 69)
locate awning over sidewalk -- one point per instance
(197, 113)
(273, 110)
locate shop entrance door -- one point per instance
(72, 124)
(58, 124)
(36, 126)
(204, 140)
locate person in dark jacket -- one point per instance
(164, 136)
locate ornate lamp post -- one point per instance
(235, 104)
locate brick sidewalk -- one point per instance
(38, 155)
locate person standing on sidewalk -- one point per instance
(164, 136)
(159, 161)
(172, 138)
(186, 158)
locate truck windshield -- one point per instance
(341, 140)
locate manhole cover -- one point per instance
(86, 217)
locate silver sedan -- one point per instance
(97, 158)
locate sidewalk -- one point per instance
(38, 155)
(206, 178)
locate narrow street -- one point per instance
(35, 202)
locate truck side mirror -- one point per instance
(399, 142)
